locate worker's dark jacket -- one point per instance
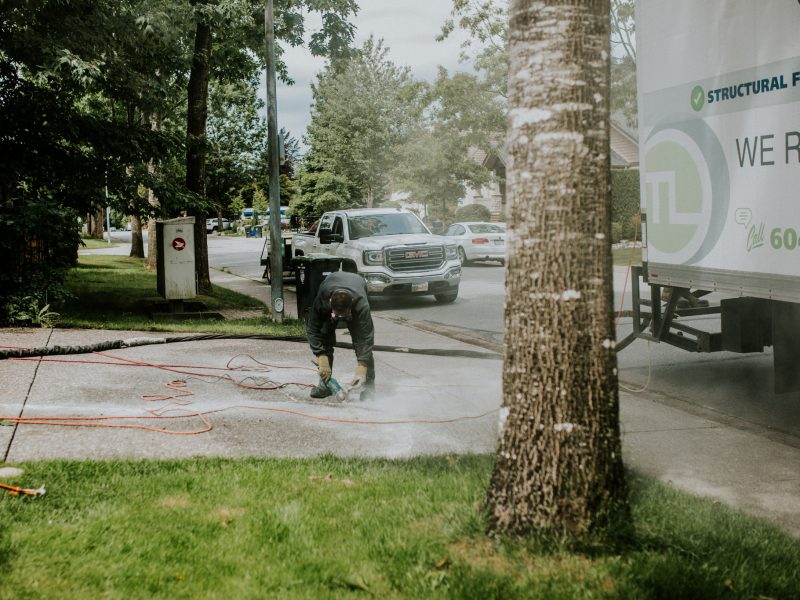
(321, 328)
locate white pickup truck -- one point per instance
(391, 249)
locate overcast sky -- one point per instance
(408, 28)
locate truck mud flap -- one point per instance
(786, 346)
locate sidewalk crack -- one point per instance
(25, 402)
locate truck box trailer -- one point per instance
(719, 130)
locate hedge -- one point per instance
(624, 204)
(473, 212)
(38, 245)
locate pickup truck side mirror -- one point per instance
(326, 237)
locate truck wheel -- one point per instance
(446, 297)
(462, 256)
(268, 272)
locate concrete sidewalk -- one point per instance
(424, 405)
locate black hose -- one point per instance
(6, 353)
(429, 351)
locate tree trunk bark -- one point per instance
(196, 142)
(559, 466)
(95, 224)
(155, 208)
(137, 242)
(152, 245)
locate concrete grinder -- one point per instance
(343, 394)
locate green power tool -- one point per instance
(336, 390)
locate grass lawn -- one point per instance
(94, 244)
(114, 292)
(340, 528)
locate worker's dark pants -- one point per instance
(330, 341)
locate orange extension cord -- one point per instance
(178, 399)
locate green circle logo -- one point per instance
(673, 195)
(685, 192)
(698, 98)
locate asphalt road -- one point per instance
(478, 309)
(736, 387)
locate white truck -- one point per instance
(719, 129)
(391, 249)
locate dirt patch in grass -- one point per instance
(175, 502)
(482, 554)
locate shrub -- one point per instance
(624, 203)
(26, 312)
(616, 232)
(473, 212)
(38, 245)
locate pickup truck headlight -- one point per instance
(451, 252)
(373, 257)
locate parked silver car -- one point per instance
(479, 241)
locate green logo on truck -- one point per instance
(685, 190)
(697, 98)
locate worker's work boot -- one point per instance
(320, 391)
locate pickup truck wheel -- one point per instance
(268, 272)
(447, 297)
(462, 256)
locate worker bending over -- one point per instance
(342, 297)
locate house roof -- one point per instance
(623, 141)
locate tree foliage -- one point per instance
(363, 108)
(473, 212)
(625, 201)
(95, 93)
(486, 44)
(236, 140)
(438, 162)
(623, 63)
(319, 192)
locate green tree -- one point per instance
(76, 103)
(233, 29)
(319, 192)
(623, 62)
(260, 204)
(559, 463)
(236, 139)
(364, 107)
(485, 22)
(486, 44)
(291, 152)
(438, 162)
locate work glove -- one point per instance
(324, 367)
(360, 376)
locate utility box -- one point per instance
(175, 265)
